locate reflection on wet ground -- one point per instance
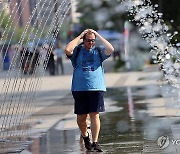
(121, 132)
(122, 126)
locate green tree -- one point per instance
(5, 19)
(101, 14)
(5, 23)
(13, 34)
(171, 11)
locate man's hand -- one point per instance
(71, 45)
(93, 31)
(83, 33)
(108, 47)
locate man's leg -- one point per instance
(82, 123)
(62, 67)
(95, 128)
(57, 67)
(95, 125)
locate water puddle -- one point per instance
(121, 132)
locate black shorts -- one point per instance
(88, 101)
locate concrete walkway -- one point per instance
(54, 102)
(59, 106)
(50, 106)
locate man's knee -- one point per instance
(94, 115)
(81, 118)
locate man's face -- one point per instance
(89, 40)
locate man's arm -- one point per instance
(71, 45)
(108, 47)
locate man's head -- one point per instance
(89, 40)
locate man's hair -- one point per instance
(88, 33)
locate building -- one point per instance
(41, 11)
(20, 11)
(4, 6)
(75, 14)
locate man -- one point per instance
(58, 52)
(88, 83)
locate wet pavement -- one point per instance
(123, 126)
(120, 131)
(136, 116)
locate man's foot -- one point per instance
(96, 147)
(87, 142)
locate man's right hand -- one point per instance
(71, 45)
(83, 33)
